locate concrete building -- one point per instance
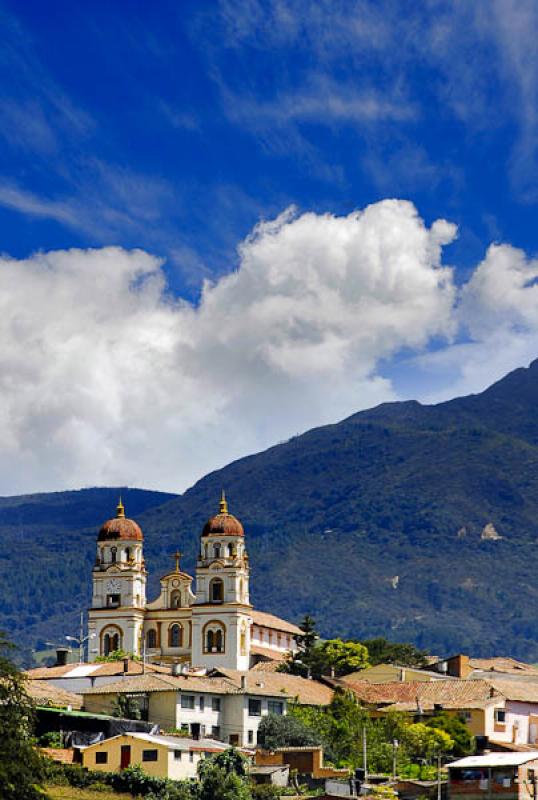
(506, 776)
(174, 757)
(214, 627)
(226, 704)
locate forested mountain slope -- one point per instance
(373, 525)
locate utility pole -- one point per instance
(439, 776)
(395, 744)
(364, 754)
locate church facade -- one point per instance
(213, 626)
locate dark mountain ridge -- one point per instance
(373, 525)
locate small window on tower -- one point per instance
(113, 600)
(113, 554)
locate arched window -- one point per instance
(127, 553)
(113, 554)
(214, 637)
(216, 551)
(230, 550)
(175, 635)
(175, 599)
(216, 591)
(111, 641)
(151, 638)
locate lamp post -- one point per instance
(81, 640)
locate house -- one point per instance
(390, 673)
(463, 666)
(506, 711)
(303, 760)
(77, 677)
(225, 704)
(507, 776)
(172, 757)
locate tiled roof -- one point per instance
(522, 691)
(279, 684)
(45, 694)
(165, 683)
(266, 666)
(503, 664)
(423, 694)
(270, 621)
(267, 652)
(94, 670)
(225, 681)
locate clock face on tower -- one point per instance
(113, 586)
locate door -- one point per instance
(125, 756)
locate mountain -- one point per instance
(415, 522)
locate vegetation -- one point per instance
(381, 651)
(385, 510)
(115, 655)
(331, 657)
(21, 768)
(278, 730)
(391, 741)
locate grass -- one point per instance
(69, 793)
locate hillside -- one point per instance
(373, 525)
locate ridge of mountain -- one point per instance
(372, 524)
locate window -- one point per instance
(214, 640)
(215, 731)
(251, 737)
(177, 755)
(215, 703)
(216, 591)
(113, 600)
(254, 708)
(216, 550)
(191, 757)
(175, 635)
(111, 643)
(500, 715)
(175, 599)
(113, 554)
(275, 707)
(202, 702)
(101, 758)
(187, 701)
(151, 638)
(150, 755)
(466, 715)
(127, 553)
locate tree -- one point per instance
(279, 730)
(115, 655)
(381, 651)
(341, 657)
(424, 743)
(455, 727)
(219, 781)
(300, 663)
(21, 767)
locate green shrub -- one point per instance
(51, 739)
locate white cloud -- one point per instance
(106, 379)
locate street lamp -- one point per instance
(81, 640)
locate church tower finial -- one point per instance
(223, 503)
(120, 509)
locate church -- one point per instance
(211, 625)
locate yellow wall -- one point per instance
(387, 673)
(165, 767)
(477, 723)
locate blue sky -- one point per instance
(175, 128)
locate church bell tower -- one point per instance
(221, 614)
(116, 616)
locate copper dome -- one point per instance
(223, 523)
(120, 528)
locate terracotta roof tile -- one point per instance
(426, 694)
(266, 620)
(45, 694)
(279, 684)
